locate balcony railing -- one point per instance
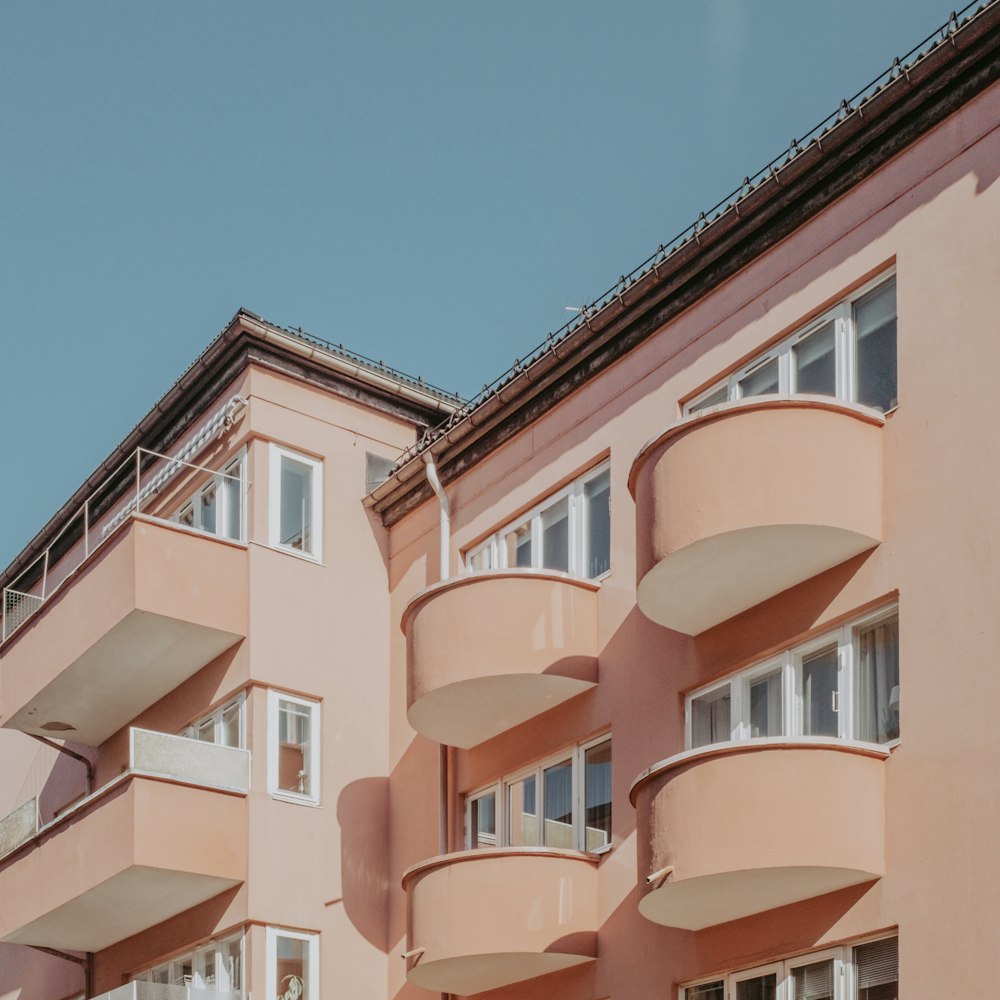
(147, 483)
(165, 991)
(151, 754)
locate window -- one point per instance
(848, 352)
(562, 802)
(216, 966)
(293, 747)
(225, 727)
(292, 965)
(296, 503)
(842, 685)
(570, 531)
(217, 507)
(868, 971)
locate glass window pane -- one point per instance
(294, 724)
(819, 685)
(204, 968)
(518, 543)
(555, 536)
(813, 982)
(877, 965)
(557, 790)
(232, 489)
(597, 498)
(875, 326)
(230, 735)
(230, 975)
(522, 813)
(814, 362)
(706, 991)
(205, 730)
(186, 516)
(760, 381)
(716, 398)
(483, 820)
(758, 988)
(292, 969)
(597, 796)
(711, 721)
(296, 514)
(765, 706)
(878, 682)
(209, 508)
(161, 974)
(182, 971)
(482, 559)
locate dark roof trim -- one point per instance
(912, 101)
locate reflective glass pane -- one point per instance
(819, 685)
(205, 731)
(229, 972)
(232, 489)
(230, 731)
(706, 991)
(555, 536)
(204, 968)
(557, 788)
(875, 327)
(483, 820)
(878, 682)
(522, 812)
(716, 398)
(518, 543)
(597, 497)
(760, 381)
(766, 717)
(186, 516)
(209, 508)
(296, 514)
(294, 724)
(711, 721)
(482, 559)
(814, 362)
(597, 796)
(758, 988)
(293, 970)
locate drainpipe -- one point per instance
(70, 753)
(432, 478)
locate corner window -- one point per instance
(843, 685)
(293, 747)
(848, 353)
(296, 502)
(563, 802)
(225, 727)
(216, 966)
(292, 965)
(868, 971)
(217, 507)
(569, 532)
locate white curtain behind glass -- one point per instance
(878, 683)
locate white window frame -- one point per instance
(216, 944)
(274, 698)
(234, 468)
(844, 972)
(275, 455)
(846, 637)
(271, 936)
(845, 352)
(190, 732)
(501, 789)
(493, 551)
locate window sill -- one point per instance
(293, 799)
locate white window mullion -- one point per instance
(740, 727)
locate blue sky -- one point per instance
(430, 183)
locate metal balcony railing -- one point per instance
(148, 484)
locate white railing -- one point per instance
(134, 487)
(164, 991)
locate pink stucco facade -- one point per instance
(661, 756)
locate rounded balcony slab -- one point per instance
(484, 919)
(741, 502)
(741, 828)
(488, 651)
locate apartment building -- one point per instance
(329, 684)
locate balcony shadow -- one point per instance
(26, 974)
(363, 815)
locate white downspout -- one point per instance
(432, 478)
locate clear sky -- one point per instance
(430, 183)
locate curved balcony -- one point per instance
(148, 610)
(739, 828)
(479, 920)
(741, 502)
(488, 651)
